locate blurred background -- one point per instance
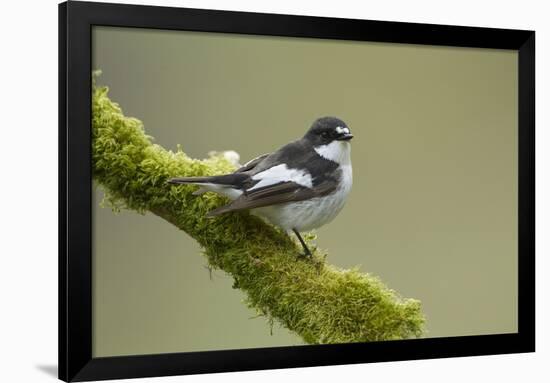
(433, 210)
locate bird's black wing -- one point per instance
(275, 194)
(252, 163)
(292, 154)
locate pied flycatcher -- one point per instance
(299, 187)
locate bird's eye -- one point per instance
(324, 134)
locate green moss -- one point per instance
(320, 302)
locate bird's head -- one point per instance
(326, 130)
(330, 138)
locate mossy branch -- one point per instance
(319, 302)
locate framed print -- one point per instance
(245, 191)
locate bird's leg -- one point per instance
(307, 253)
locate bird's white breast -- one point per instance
(310, 214)
(316, 212)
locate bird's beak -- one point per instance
(345, 137)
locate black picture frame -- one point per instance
(75, 192)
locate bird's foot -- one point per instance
(307, 253)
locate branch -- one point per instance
(321, 303)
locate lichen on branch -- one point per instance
(318, 301)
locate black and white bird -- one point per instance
(299, 187)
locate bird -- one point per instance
(300, 187)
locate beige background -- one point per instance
(432, 211)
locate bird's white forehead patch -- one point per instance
(341, 130)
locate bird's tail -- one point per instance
(191, 180)
(226, 184)
(233, 180)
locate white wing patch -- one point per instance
(341, 130)
(281, 173)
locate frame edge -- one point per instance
(75, 357)
(526, 193)
(62, 195)
(75, 290)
